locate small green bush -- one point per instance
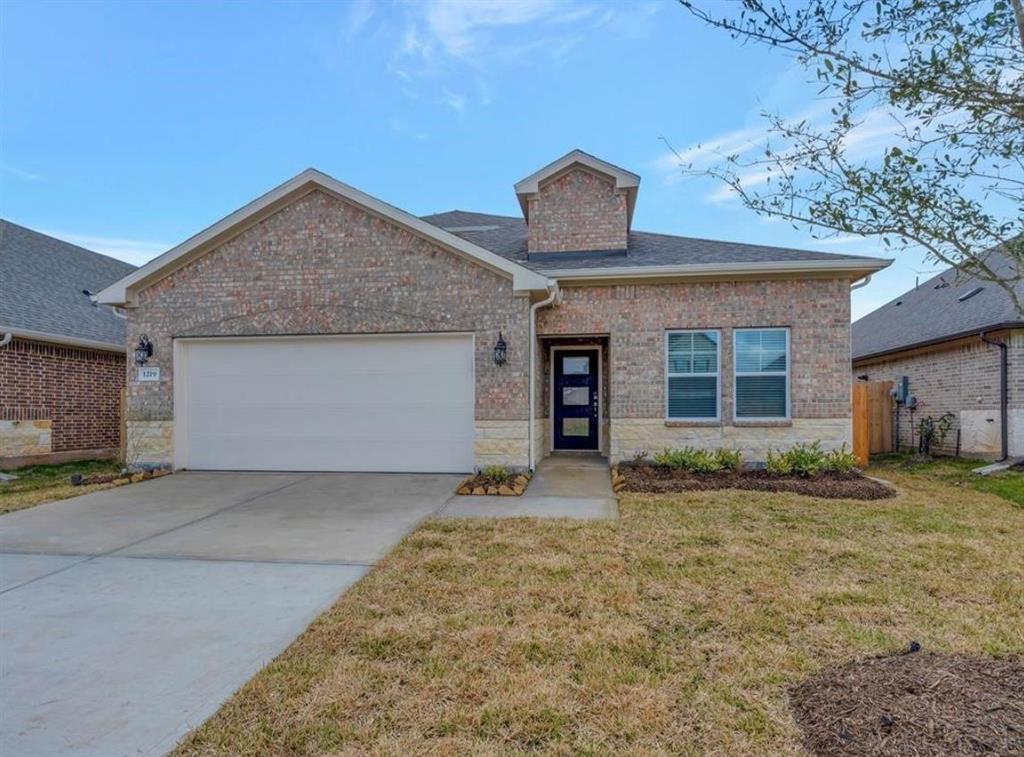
(689, 459)
(499, 473)
(806, 460)
(841, 461)
(777, 464)
(729, 459)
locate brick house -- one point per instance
(319, 328)
(62, 359)
(959, 341)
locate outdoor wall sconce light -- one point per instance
(500, 350)
(143, 350)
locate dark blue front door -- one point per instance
(575, 400)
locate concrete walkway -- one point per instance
(128, 616)
(564, 486)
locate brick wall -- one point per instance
(635, 317)
(322, 265)
(962, 379)
(578, 210)
(77, 390)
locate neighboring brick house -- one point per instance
(62, 363)
(318, 328)
(933, 335)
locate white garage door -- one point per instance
(388, 403)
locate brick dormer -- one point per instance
(578, 203)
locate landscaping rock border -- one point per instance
(480, 485)
(118, 479)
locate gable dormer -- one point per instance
(578, 203)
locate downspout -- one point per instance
(862, 283)
(1003, 399)
(6, 339)
(555, 295)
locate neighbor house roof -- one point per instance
(945, 307)
(646, 253)
(41, 290)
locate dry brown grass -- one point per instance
(677, 630)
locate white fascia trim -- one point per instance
(523, 279)
(71, 341)
(705, 270)
(623, 179)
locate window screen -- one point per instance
(692, 375)
(762, 373)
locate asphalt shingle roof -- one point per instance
(41, 283)
(506, 236)
(933, 311)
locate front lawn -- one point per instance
(680, 629)
(45, 483)
(957, 471)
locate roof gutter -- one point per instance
(71, 341)
(1003, 396)
(707, 270)
(554, 297)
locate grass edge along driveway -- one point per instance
(677, 630)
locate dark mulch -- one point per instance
(919, 703)
(659, 479)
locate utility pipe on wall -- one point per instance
(1003, 398)
(553, 297)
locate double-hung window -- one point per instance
(692, 375)
(762, 374)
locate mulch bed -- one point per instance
(659, 479)
(919, 703)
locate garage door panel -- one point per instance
(376, 404)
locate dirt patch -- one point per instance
(658, 479)
(913, 704)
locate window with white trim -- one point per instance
(692, 376)
(761, 363)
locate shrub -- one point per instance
(841, 461)
(689, 459)
(498, 473)
(806, 460)
(777, 464)
(729, 459)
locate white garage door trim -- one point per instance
(457, 457)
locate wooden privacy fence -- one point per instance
(872, 418)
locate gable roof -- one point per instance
(938, 310)
(41, 283)
(647, 253)
(624, 179)
(122, 291)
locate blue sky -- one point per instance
(128, 127)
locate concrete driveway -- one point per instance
(128, 616)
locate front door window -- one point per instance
(575, 399)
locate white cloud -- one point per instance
(20, 173)
(400, 127)
(448, 50)
(359, 14)
(135, 251)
